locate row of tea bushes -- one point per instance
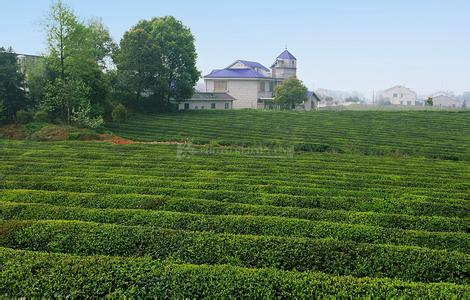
(46, 275)
(236, 224)
(286, 253)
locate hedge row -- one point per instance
(426, 223)
(40, 275)
(327, 255)
(321, 200)
(214, 207)
(254, 225)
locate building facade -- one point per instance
(446, 101)
(251, 84)
(398, 95)
(203, 100)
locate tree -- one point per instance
(290, 93)
(63, 97)
(157, 61)
(353, 99)
(78, 56)
(12, 89)
(429, 102)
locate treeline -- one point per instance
(86, 78)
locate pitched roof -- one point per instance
(253, 64)
(312, 94)
(286, 55)
(212, 96)
(235, 73)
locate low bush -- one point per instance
(254, 225)
(301, 254)
(40, 275)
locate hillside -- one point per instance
(433, 134)
(365, 211)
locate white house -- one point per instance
(250, 84)
(204, 100)
(398, 95)
(446, 101)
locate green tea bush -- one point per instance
(326, 255)
(242, 225)
(46, 275)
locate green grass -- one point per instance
(94, 219)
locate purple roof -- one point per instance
(286, 55)
(235, 73)
(253, 64)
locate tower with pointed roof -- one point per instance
(285, 66)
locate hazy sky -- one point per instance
(352, 45)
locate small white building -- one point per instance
(202, 100)
(399, 95)
(446, 101)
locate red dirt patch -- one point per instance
(12, 131)
(114, 139)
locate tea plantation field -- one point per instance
(95, 219)
(432, 134)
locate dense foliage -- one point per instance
(12, 86)
(156, 62)
(290, 93)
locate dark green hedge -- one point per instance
(325, 255)
(255, 225)
(214, 207)
(41, 275)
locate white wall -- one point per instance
(206, 104)
(445, 101)
(399, 96)
(245, 92)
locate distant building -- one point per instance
(204, 100)
(398, 95)
(446, 101)
(252, 85)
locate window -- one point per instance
(186, 106)
(264, 86)
(408, 103)
(212, 105)
(195, 107)
(395, 95)
(227, 106)
(220, 86)
(202, 107)
(401, 95)
(401, 102)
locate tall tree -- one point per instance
(157, 59)
(78, 52)
(290, 93)
(12, 89)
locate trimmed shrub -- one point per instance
(40, 275)
(301, 254)
(242, 225)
